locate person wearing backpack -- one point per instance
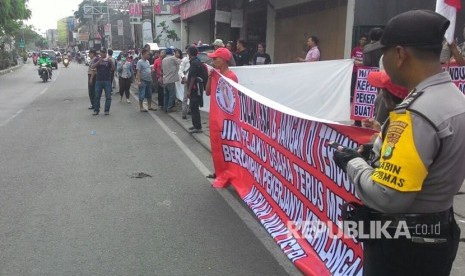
(197, 79)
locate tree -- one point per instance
(11, 11)
(166, 35)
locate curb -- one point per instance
(10, 69)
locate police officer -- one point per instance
(421, 164)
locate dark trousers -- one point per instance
(91, 90)
(195, 112)
(404, 257)
(160, 92)
(124, 86)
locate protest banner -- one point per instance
(457, 74)
(280, 164)
(363, 106)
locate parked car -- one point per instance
(53, 57)
(204, 50)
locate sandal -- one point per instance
(212, 175)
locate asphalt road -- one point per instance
(69, 204)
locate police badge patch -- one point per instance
(395, 130)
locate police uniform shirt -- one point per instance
(422, 157)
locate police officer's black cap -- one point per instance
(417, 28)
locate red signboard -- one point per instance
(194, 7)
(135, 9)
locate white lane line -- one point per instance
(11, 118)
(250, 221)
(21, 110)
(43, 91)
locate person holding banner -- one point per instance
(421, 159)
(221, 59)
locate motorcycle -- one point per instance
(44, 72)
(65, 62)
(34, 59)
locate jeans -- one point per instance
(99, 86)
(195, 112)
(170, 94)
(160, 92)
(124, 86)
(145, 90)
(91, 90)
(185, 105)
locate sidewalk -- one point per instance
(10, 69)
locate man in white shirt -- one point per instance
(183, 72)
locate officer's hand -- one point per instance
(365, 151)
(341, 158)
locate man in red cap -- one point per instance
(408, 190)
(221, 58)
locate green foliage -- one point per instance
(166, 35)
(11, 12)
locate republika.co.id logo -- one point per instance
(225, 96)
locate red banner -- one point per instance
(279, 163)
(363, 106)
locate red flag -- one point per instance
(454, 3)
(448, 9)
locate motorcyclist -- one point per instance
(45, 59)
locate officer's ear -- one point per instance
(401, 55)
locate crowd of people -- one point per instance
(159, 71)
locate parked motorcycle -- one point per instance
(44, 72)
(65, 62)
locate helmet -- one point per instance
(44, 54)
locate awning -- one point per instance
(193, 7)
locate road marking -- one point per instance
(11, 118)
(21, 110)
(43, 91)
(250, 221)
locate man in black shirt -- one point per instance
(243, 57)
(195, 84)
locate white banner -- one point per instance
(237, 18)
(317, 89)
(223, 16)
(147, 32)
(120, 27)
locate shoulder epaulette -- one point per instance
(409, 100)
